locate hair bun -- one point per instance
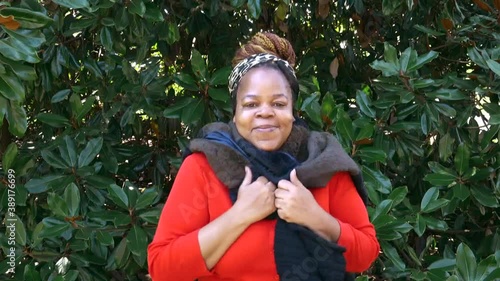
(266, 42)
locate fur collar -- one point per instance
(319, 153)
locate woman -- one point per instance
(262, 198)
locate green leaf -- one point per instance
(68, 151)
(60, 96)
(312, 108)
(146, 198)
(30, 273)
(186, 81)
(398, 195)
(237, 3)
(461, 192)
(220, 76)
(104, 238)
(382, 208)
(445, 109)
(424, 59)
(15, 50)
(16, 116)
(376, 180)
(118, 196)
(11, 88)
(137, 7)
(53, 227)
(364, 104)
(344, 125)
(29, 39)
(24, 72)
(440, 179)
(153, 13)
(9, 156)
(372, 154)
(18, 229)
(173, 34)
(428, 30)
(440, 169)
(388, 69)
(28, 19)
(72, 198)
(494, 66)
(391, 54)
(106, 38)
(73, 4)
(53, 120)
(151, 216)
(137, 241)
(175, 110)
(462, 158)
(477, 58)
(89, 152)
(393, 255)
(85, 108)
(198, 64)
(254, 8)
(494, 119)
(466, 262)
(44, 183)
(408, 59)
(121, 253)
(485, 196)
(219, 94)
(445, 264)
(57, 205)
(447, 94)
(430, 195)
(53, 159)
(420, 225)
(446, 147)
(193, 112)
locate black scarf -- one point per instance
(300, 254)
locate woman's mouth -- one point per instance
(265, 128)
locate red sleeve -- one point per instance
(357, 234)
(174, 253)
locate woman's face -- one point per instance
(264, 107)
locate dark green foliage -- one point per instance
(98, 99)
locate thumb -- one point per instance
(294, 179)
(248, 176)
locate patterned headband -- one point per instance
(245, 65)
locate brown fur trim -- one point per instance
(320, 154)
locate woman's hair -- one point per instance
(266, 42)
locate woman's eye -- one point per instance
(279, 104)
(250, 104)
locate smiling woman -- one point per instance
(274, 201)
(263, 114)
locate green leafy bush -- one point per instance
(99, 97)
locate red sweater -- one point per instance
(198, 197)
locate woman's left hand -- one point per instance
(294, 202)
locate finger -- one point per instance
(294, 179)
(285, 185)
(262, 180)
(271, 185)
(248, 176)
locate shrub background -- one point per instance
(99, 97)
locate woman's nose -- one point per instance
(265, 110)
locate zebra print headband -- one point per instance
(245, 65)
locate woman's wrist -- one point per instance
(324, 224)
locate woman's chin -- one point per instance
(267, 145)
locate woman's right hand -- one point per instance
(255, 199)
